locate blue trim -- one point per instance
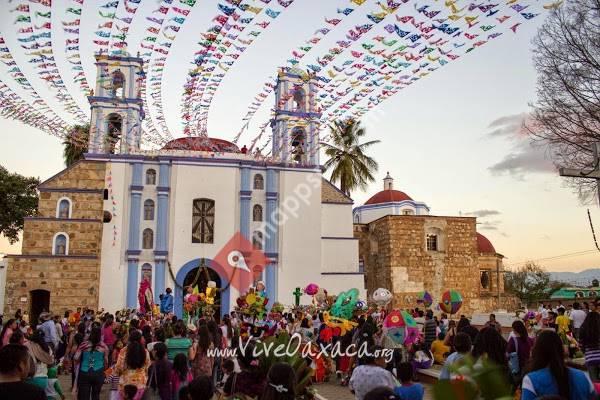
(134, 221)
(337, 238)
(245, 192)
(162, 222)
(161, 253)
(272, 235)
(136, 188)
(245, 197)
(125, 100)
(136, 176)
(297, 114)
(273, 255)
(161, 189)
(133, 252)
(159, 279)
(132, 283)
(164, 172)
(272, 195)
(180, 277)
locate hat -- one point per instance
(45, 316)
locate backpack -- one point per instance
(92, 361)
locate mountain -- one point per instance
(583, 278)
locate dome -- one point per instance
(199, 143)
(388, 196)
(484, 245)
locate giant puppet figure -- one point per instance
(145, 297)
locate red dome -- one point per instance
(198, 143)
(388, 196)
(484, 245)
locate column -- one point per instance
(272, 235)
(161, 250)
(133, 251)
(245, 198)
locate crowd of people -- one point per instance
(136, 356)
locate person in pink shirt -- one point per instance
(108, 336)
(7, 331)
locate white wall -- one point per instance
(336, 220)
(113, 263)
(299, 232)
(339, 255)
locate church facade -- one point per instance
(123, 215)
(406, 250)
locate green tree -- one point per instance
(76, 143)
(530, 283)
(349, 164)
(18, 199)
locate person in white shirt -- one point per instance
(371, 375)
(577, 316)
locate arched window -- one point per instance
(432, 242)
(117, 84)
(63, 210)
(147, 239)
(259, 182)
(579, 294)
(257, 213)
(592, 293)
(149, 210)
(257, 240)
(151, 177)
(298, 144)
(299, 100)
(357, 218)
(484, 279)
(114, 128)
(203, 221)
(60, 245)
(435, 239)
(147, 273)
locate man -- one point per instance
(577, 317)
(429, 330)
(166, 303)
(48, 326)
(492, 323)
(562, 321)
(14, 368)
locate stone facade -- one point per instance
(394, 252)
(68, 281)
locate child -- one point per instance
(228, 368)
(53, 389)
(408, 390)
(181, 375)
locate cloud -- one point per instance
(508, 125)
(488, 225)
(482, 213)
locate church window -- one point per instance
(61, 244)
(357, 218)
(64, 208)
(579, 294)
(114, 128)
(149, 210)
(298, 144)
(257, 240)
(432, 242)
(106, 217)
(259, 182)
(257, 213)
(147, 273)
(203, 221)
(105, 194)
(117, 84)
(408, 212)
(484, 279)
(147, 239)
(299, 100)
(151, 177)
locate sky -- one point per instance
(452, 139)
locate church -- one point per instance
(406, 250)
(123, 215)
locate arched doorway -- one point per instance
(39, 303)
(197, 273)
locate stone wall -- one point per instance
(72, 280)
(395, 256)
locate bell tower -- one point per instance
(116, 104)
(295, 126)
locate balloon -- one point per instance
(425, 298)
(311, 289)
(451, 302)
(382, 297)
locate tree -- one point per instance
(566, 116)
(529, 283)
(76, 143)
(349, 164)
(18, 199)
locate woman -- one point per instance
(181, 375)
(202, 363)
(550, 376)
(132, 364)
(589, 339)
(450, 334)
(490, 345)
(41, 357)
(75, 339)
(91, 359)
(281, 382)
(179, 343)
(7, 330)
(520, 343)
(160, 372)
(227, 330)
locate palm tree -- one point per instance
(347, 159)
(76, 143)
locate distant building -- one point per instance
(576, 293)
(406, 250)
